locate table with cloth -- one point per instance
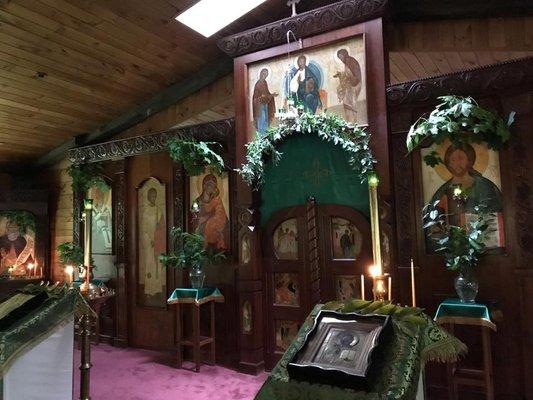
(195, 297)
(415, 341)
(36, 342)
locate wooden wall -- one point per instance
(59, 183)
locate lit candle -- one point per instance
(390, 288)
(413, 291)
(69, 269)
(362, 286)
(30, 269)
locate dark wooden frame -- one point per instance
(115, 156)
(505, 87)
(251, 276)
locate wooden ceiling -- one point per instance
(69, 66)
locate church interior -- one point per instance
(266, 199)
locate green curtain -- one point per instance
(311, 167)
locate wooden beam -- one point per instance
(157, 103)
(423, 10)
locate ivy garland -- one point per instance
(329, 127)
(25, 220)
(460, 120)
(86, 176)
(196, 156)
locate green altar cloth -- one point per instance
(58, 305)
(453, 311)
(190, 295)
(411, 346)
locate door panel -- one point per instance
(151, 321)
(286, 283)
(311, 254)
(346, 253)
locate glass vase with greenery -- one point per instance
(461, 246)
(189, 252)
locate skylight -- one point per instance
(209, 16)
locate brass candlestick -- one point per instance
(88, 223)
(379, 289)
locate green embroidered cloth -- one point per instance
(455, 308)
(412, 345)
(197, 295)
(58, 306)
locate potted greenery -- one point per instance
(461, 246)
(189, 251)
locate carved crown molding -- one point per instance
(484, 80)
(218, 131)
(333, 16)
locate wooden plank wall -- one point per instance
(423, 49)
(60, 214)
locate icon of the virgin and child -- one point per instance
(460, 161)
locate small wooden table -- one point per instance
(196, 298)
(452, 312)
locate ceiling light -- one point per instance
(209, 16)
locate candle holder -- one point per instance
(379, 288)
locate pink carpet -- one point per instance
(134, 374)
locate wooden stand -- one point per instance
(470, 376)
(196, 340)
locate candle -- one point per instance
(70, 272)
(375, 270)
(362, 287)
(30, 269)
(413, 291)
(390, 288)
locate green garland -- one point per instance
(196, 156)
(23, 219)
(329, 127)
(70, 253)
(460, 120)
(86, 176)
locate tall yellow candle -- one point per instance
(362, 286)
(413, 290)
(390, 288)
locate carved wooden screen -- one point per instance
(312, 254)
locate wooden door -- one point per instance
(150, 320)
(312, 254)
(346, 251)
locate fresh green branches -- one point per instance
(86, 176)
(461, 246)
(25, 220)
(460, 120)
(328, 127)
(70, 254)
(196, 156)
(189, 251)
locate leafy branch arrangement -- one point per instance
(25, 220)
(70, 254)
(461, 120)
(462, 247)
(195, 156)
(329, 127)
(86, 176)
(189, 251)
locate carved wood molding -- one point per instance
(333, 16)
(218, 131)
(404, 189)
(477, 81)
(312, 236)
